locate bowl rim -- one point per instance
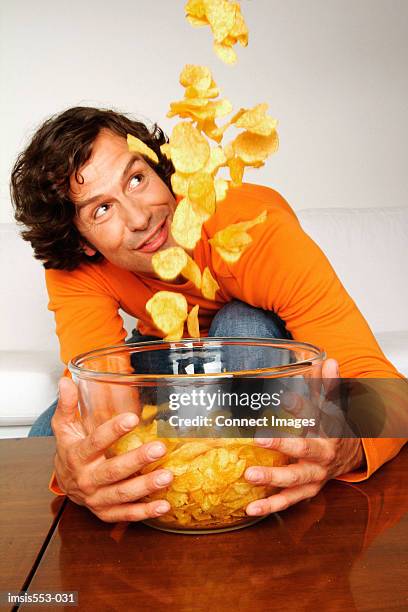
(297, 368)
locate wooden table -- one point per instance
(347, 549)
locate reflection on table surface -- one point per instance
(348, 547)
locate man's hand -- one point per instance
(318, 460)
(108, 487)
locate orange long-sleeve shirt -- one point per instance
(282, 270)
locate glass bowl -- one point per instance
(197, 396)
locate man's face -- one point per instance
(124, 209)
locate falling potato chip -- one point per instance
(216, 160)
(175, 334)
(192, 322)
(168, 264)
(221, 17)
(231, 241)
(186, 225)
(168, 311)
(236, 167)
(165, 150)
(211, 92)
(196, 10)
(138, 146)
(198, 82)
(201, 194)
(239, 31)
(189, 149)
(203, 112)
(192, 272)
(196, 76)
(209, 285)
(221, 189)
(211, 129)
(225, 53)
(229, 256)
(253, 148)
(179, 183)
(256, 121)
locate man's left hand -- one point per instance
(318, 460)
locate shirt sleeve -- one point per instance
(86, 317)
(284, 271)
(86, 311)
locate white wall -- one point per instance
(333, 71)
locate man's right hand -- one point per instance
(108, 487)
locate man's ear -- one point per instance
(88, 250)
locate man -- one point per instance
(95, 213)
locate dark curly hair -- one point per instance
(40, 180)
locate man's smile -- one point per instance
(156, 238)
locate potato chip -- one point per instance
(196, 76)
(168, 310)
(190, 481)
(196, 10)
(176, 333)
(192, 272)
(253, 148)
(186, 225)
(209, 489)
(192, 323)
(239, 31)
(226, 22)
(236, 167)
(225, 53)
(255, 120)
(189, 149)
(221, 17)
(138, 146)
(203, 112)
(179, 183)
(231, 241)
(210, 129)
(216, 160)
(127, 442)
(211, 92)
(168, 264)
(229, 256)
(165, 150)
(201, 194)
(149, 412)
(209, 285)
(221, 189)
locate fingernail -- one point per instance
(164, 478)
(263, 441)
(162, 508)
(254, 509)
(128, 421)
(156, 450)
(253, 474)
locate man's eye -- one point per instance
(136, 180)
(101, 210)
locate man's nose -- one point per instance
(135, 215)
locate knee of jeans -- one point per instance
(237, 319)
(42, 425)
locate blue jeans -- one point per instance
(235, 319)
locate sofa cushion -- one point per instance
(368, 249)
(29, 385)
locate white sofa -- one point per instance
(367, 247)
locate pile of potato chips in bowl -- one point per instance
(178, 390)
